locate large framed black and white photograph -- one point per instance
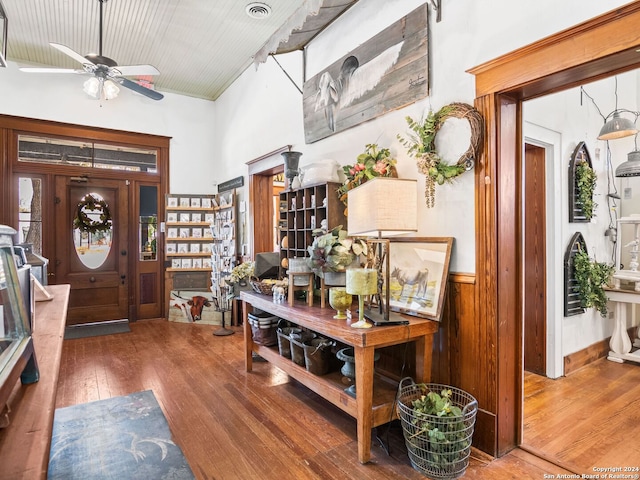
(387, 72)
(419, 267)
(3, 36)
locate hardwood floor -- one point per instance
(588, 419)
(234, 425)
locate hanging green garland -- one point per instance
(84, 223)
(421, 143)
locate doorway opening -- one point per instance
(266, 181)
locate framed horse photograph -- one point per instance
(418, 271)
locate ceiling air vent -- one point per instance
(258, 10)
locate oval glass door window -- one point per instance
(92, 230)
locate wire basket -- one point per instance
(266, 287)
(438, 446)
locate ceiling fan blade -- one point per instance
(50, 70)
(67, 51)
(125, 82)
(136, 70)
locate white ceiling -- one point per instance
(199, 46)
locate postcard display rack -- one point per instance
(303, 210)
(200, 250)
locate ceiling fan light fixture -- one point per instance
(99, 88)
(110, 90)
(92, 87)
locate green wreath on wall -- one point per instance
(421, 143)
(84, 223)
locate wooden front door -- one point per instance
(95, 264)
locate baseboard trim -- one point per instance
(581, 358)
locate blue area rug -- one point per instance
(117, 438)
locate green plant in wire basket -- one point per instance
(446, 434)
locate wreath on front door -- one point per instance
(421, 143)
(85, 223)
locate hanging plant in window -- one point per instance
(421, 144)
(586, 185)
(591, 277)
(89, 207)
(582, 184)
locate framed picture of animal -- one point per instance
(418, 271)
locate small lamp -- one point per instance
(381, 207)
(361, 282)
(617, 127)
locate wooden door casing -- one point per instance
(97, 294)
(547, 66)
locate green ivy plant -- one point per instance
(586, 183)
(447, 439)
(591, 277)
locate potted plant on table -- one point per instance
(239, 276)
(332, 252)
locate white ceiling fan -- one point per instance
(105, 72)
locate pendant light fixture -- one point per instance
(617, 127)
(630, 168)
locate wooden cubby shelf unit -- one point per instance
(304, 210)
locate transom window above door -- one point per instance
(57, 151)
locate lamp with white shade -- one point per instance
(383, 207)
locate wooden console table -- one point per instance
(25, 443)
(373, 405)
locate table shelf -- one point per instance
(331, 386)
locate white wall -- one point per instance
(188, 121)
(263, 111)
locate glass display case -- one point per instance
(17, 356)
